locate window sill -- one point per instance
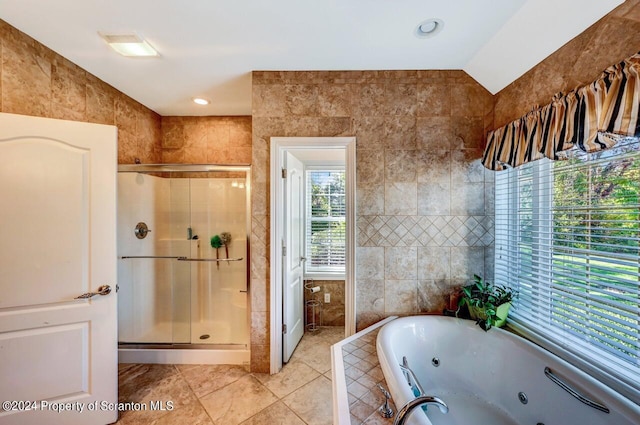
(324, 276)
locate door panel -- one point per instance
(57, 185)
(293, 295)
(51, 375)
(51, 233)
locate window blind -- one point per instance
(567, 239)
(326, 224)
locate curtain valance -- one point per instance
(592, 118)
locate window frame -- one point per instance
(538, 326)
(326, 274)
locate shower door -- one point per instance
(185, 281)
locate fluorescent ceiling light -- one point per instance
(130, 45)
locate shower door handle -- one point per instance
(102, 290)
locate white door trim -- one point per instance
(278, 146)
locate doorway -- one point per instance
(286, 255)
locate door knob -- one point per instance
(102, 290)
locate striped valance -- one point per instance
(592, 118)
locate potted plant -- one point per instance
(488, 304)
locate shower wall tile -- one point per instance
(416, 133)
(34, 80)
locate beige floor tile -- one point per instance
(292, 376)
(317, 356)
(135, 376)
(192, 414)
(276, 414)
(208, 378)
(312, 402)
(173, 388)
(237, 401)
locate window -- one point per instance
(567, 239)
(325, 227)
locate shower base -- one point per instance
(221, 347)
(184, 354)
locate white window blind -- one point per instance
(325, 235)
(567, 239)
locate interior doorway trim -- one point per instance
(279, 145)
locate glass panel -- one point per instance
(188, 297)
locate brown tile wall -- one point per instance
(206, 140)
(580, 61)
(34, 80)
(329, 314)
(424, 207)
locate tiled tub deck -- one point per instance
(356, 372)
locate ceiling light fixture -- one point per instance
(429, 28)
(201, 101)
(129, 45)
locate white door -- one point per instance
(293, 276)
(58, 227)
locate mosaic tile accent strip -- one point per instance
(392, 231)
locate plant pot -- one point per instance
(502, 313)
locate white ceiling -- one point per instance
(210, 47)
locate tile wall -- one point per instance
(328, 314)
(34, 80)
(206, 140)
(424, 206)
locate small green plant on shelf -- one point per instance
(487, 303)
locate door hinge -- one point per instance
(284, 251)
(284, 328)
(284, 173)
(117, 287)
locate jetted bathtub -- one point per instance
(490, 378)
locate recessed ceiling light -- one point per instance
(429, 28)
(130, 45)
(201, 101)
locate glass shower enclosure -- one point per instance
(183, 256)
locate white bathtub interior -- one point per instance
(481, 374)
(165, 303)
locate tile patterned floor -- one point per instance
(221, 394)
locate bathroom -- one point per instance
(424, 218)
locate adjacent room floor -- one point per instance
(221, 394)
